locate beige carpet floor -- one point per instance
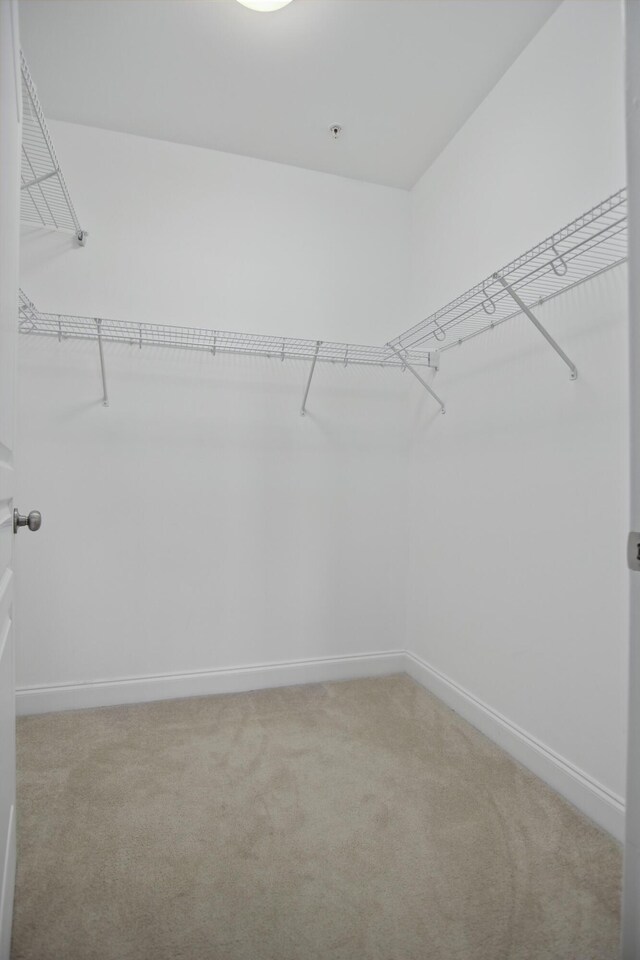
(360, 820)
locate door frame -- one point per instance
(631, 881)
(10, 143)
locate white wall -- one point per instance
(517, 573)
(199, 522)
(185, 235)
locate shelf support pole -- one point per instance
(105, 395)
(419, 378)
(534, 320)
(313, 366)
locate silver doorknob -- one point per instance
(33, 521)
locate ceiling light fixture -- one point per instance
(264, 6)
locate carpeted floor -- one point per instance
(344, 821)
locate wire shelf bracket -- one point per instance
(415, 373)
(45, 198)
(303, 409)
(583, 249)
(103, 372)
(534, 320)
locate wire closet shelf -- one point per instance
(595, 242)
(33, 321)
(44, 193)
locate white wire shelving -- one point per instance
(64, 327)
(44, 193)
(585, 248)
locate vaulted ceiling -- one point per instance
(400, 76)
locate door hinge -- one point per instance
(633, 551)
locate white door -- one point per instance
(631, 890)
(10, 129)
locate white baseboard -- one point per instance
(592, 798)
(106, 693)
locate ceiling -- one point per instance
(400, 76)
